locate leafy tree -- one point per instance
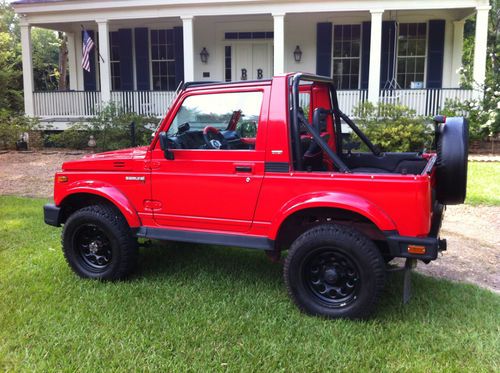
(483, 114)
(11, 99)
(46, 45)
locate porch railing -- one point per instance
(425, 102)
(152, 103)
(81, 104)
(67, 104)
(348, 100)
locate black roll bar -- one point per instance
(297, 153)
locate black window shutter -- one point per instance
(126, 62)
(142, 58)
(388, 50)
(324, 49)
(435, 54)
(179, 55)
(365, 53)
(89, 78)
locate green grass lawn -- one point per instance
(213, 309)
(483, 185)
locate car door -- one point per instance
(211, 189)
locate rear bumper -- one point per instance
(399, 245)
(51, 214)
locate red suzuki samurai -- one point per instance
(264, 165)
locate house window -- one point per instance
(249, 35)
(412, 43)
(163, 60)
(114, 42)
(346, 56)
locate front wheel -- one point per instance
(335, 272)
(97, 243)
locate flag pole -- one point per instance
(96, 48)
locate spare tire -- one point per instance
(452, 142)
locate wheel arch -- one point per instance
(83, 197)
(298, 216)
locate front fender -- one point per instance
(107, 191)
(336, 200)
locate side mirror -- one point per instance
(164, 146)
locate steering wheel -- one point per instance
(213, 138)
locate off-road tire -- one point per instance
(344, 242)
(111, 227)
(452, 144)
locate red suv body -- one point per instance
(260, 165)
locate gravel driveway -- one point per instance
(473, 233)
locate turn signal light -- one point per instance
(62, 179)
(416, 249)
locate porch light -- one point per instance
(204, 55)
(297, 54)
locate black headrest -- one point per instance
(319, 118)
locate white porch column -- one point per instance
(279, 43)
(79, 55)
(375, 56)
(458, 45)
(29, 105)
(72, 61)
(187, 34)
(480, 47)
(104, 66)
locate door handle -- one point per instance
(243, 168)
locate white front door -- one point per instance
(252, 61)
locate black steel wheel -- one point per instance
(97, 243)
(332, 276)
(93, 246)
(334, 271)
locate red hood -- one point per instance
(119, 160)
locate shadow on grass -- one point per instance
(431, 298)
(163, 260)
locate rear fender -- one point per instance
(335, 200)
(107, 191)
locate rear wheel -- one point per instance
(97, 243)
(334, 271)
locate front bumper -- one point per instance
(399, 246)
(52, 214)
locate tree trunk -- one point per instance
(63, 62)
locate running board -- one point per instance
(248, 242)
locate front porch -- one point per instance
(377, 51)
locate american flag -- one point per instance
(88, 44)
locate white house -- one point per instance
(378, 50)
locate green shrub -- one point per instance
(75, 137)
(110, 129)
(394, 128)
(13, 126)
(483, 115)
